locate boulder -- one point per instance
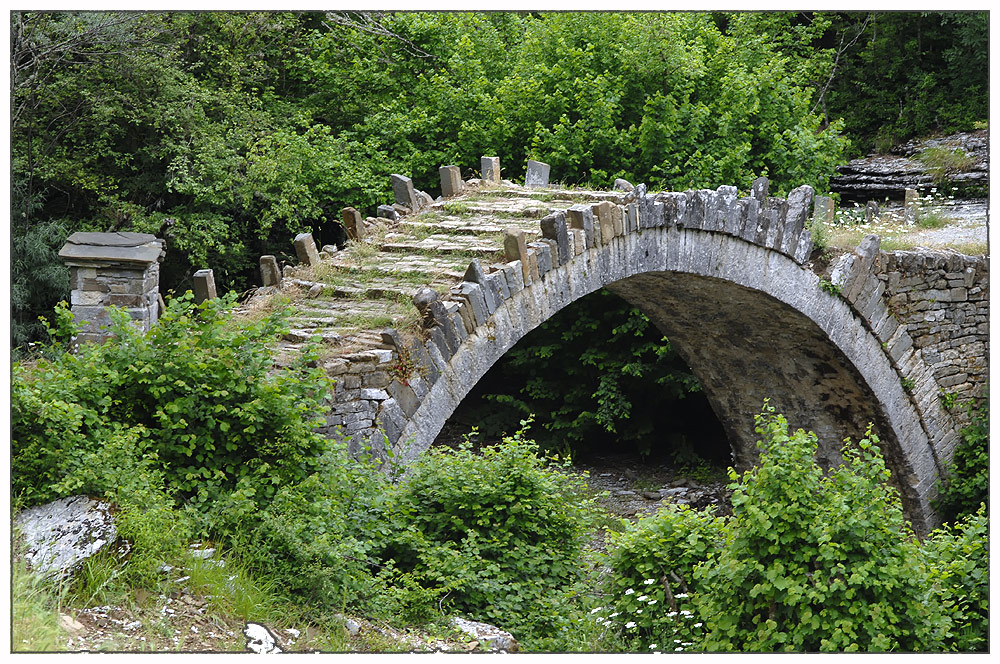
(60, 535)
(492, 637)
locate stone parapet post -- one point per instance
(113, 269)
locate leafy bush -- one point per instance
(197, 393)
(965, 484)
(653, 584)
(816, 561)
(958, 556)
(943, 162)
(586, 373)
(500, 533)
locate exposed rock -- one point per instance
(260, 640)
(492, 637)
(880, 176)
(60, 535)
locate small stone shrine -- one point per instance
(113, 269)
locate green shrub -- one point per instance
(942, 162)
(198, 393)
(817, 561)
(958, 557)
(500, 532)
(965, 484)
(653, 582)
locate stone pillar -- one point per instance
(353, 224)
(516, 249)
(270, 275)
(204, 286)
(490, 167)
(403, 191)
(113, 269)
(305, 249)
(537, 175)
(451, 181)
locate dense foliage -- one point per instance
(906, 74)
(809, 561)
(965, 484)
(190, 430)
(501, 532)
(595, 370)
(195, 397)
(229, 132)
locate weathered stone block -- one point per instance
(451, 181)
(204, 285)
(579, 241)
(516, 249)
(602, 211)
(388, 212)
(472, 293)
(404, 193)
(759, 189)
(554, 228)
(270, 274)
(582, 217)
(537, 174)
(543, 256)
(353, 224)
(490, 167)
(799, 205)
(305, 249)
(474, 273)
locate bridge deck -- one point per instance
(367, 286)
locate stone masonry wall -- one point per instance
(943, 300)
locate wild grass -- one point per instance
(34, 612)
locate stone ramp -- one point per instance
(349, 296)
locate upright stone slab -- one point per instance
(799, 202)
(537, 174)
(113, 269)
(516, 249)
(605, 221)
(554, 228)
(581, 216)
(490, 168)
(759, 189)
(404, 193)
(204, 286)
(353, 223)
(451, 181)
(270, 273)
(305, 249)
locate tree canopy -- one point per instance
(229, 132)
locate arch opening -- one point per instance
(600, 380)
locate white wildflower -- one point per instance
(593, 611)
(642, 598)
(685, 613)
(629, 591)
(629, 625)
(652, 602)
(671, 614)
(678, 649)
(681, 596)
(652, 646)
(615, 614)
(649, 582)
(698, 624)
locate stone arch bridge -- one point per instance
(835, 343)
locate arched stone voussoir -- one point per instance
(751, 322)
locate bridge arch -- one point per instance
(739, 306)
